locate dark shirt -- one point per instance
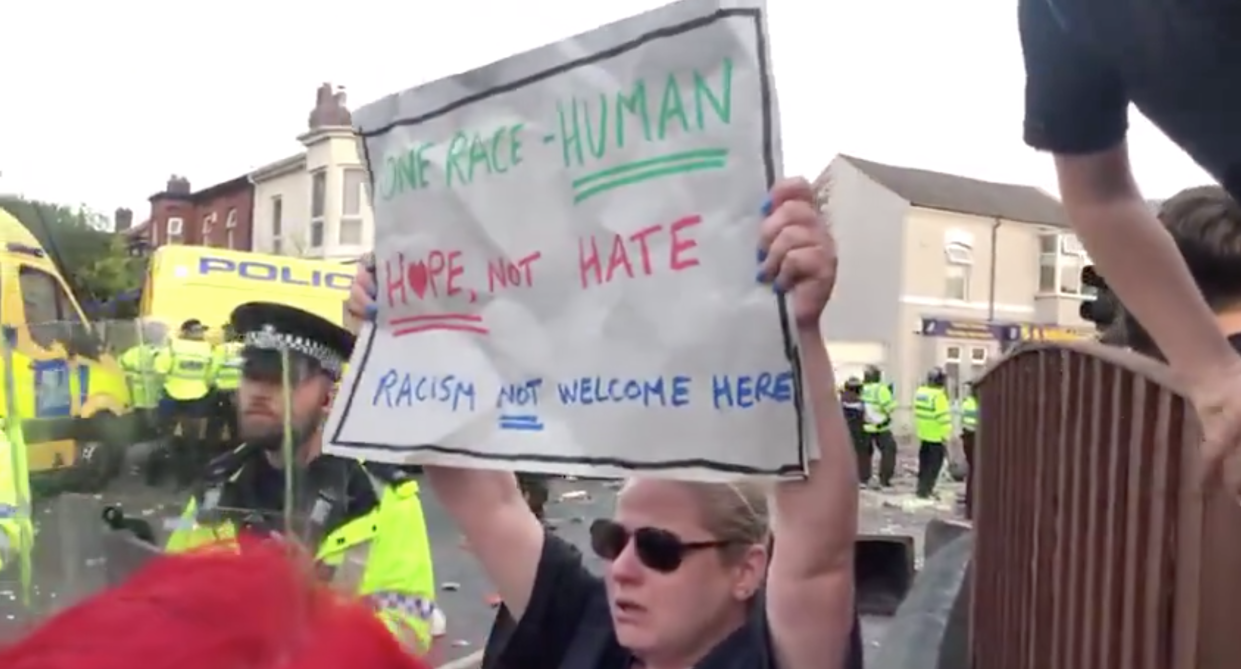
(256, 491)
(1176, 60)
(567, 625)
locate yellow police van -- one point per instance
(68, 389)
(204, 283)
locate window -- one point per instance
(230, 222)
(48, 309)
(175, 224)
(230, 240)
(352, 199)
(952, 370)
(1060, 262)
(277, 223)
(208, 224)
(318, 206)
(957, 283)
(978, 362)
(957, 273)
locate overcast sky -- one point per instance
(101, 101)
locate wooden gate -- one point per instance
(1095, 544)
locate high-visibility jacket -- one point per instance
(146, 386)
(383, 555)
(226, 365)
(932, 414)
(16, 526)
(969, 414)
(186, 367)
(879, 403)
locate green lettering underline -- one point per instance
(682, 162)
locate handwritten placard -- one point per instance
(566, 261)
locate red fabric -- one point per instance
(254, 609)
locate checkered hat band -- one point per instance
(268, 340)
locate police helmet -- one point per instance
(871, 375)
(192, 325)
(937, 377)
(854, 384)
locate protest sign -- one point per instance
(566, 261)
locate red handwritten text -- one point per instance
(439, 274)
(620, 252)
(505, 273)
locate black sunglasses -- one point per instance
(657, 549)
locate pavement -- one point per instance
(68, 563)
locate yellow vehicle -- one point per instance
(185, 282)
(69, 390)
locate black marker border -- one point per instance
(769, 165)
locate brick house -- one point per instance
(220, 216)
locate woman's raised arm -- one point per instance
(810, 605)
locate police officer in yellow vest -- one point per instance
(366, 519)
(933, 424)
(146, 387)
(186, 366)
(16, 527)
(969, 428)
(879, 404)
(226, 377)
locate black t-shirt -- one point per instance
(1176, 60)
(567, 625)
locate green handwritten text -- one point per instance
(651, 110)
(472, 154)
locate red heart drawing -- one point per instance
(418, 277)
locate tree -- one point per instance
(93, 260)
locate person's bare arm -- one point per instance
(1137, 257)
(810, 584)
(502, 531)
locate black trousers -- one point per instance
(931, 456)
(886, 445)
(967, 445)
(535, 488)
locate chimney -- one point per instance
(177, 185)
(123, 220)
(329, 110)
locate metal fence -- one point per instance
(1096, 546)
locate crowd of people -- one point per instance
(705, 575)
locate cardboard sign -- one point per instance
(566, 261)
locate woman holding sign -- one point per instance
(691, 580)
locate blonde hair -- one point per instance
(736, 512)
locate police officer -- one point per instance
(225, 377)
(186, 364)
(933, 424)
(855, 418)
(16, 528)
(879, 404)
(146, 387)
(366, 519)
(969, 427)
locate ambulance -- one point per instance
(185, 282)
(68, 389)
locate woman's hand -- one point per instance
(360, 307)
(796, 252)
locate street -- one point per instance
(69, 562)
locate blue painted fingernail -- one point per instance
(762, 255)
(766, 208)
(371, 311)
(373, 291)
(761, 277)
